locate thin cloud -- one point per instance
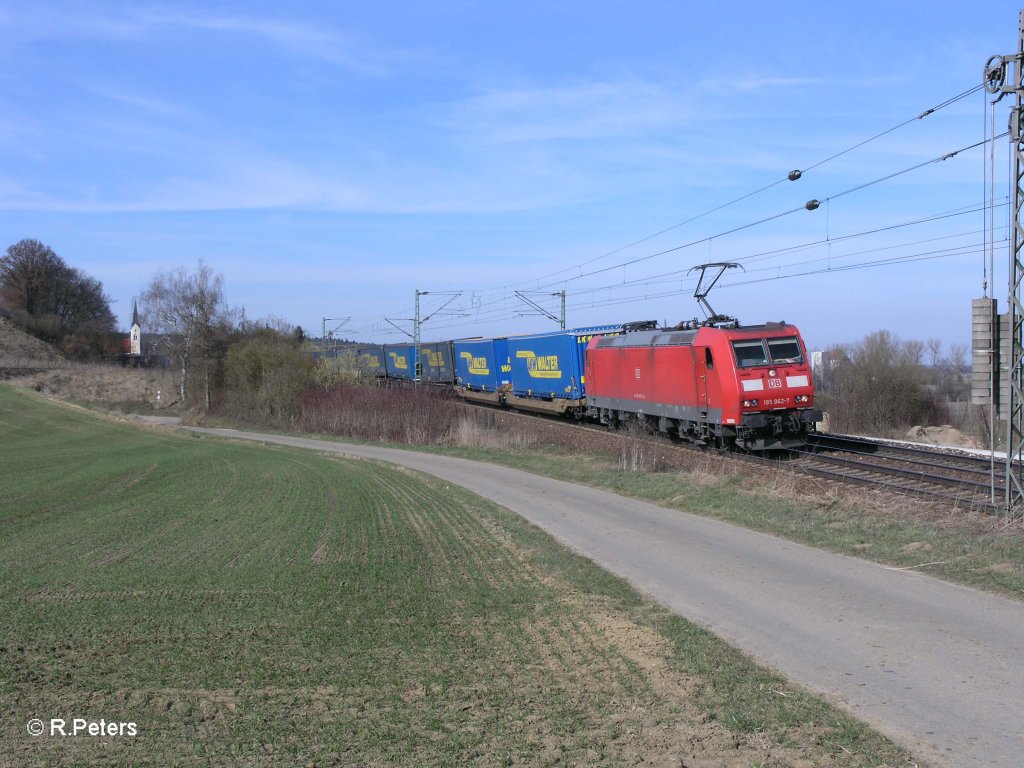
(144, 102)
(34, 24)
(220, 175)
(748, 82)
(584, 111)
(80, 22)
(259, 184)
(301, 39)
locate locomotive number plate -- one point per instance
(779, 401)
(774, 383)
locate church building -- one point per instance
(135, 338)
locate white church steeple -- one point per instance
(136, 333)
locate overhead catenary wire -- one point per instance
(680, 274)
(733, 230)
(788, 177)
(970, 250)
(773, 217)
(499, 314)
(483, 307)
(926, 113)
(947, 156)
(763, 220)
(685, 286)
(807, 245)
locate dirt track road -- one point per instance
(937, 667)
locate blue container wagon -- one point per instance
(370, 361)
(548, 370)
(399, 361)
(482, 369)
(436, 363)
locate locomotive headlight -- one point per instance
(802, 398)
(771, 373)
(750, 403)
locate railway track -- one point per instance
(923, 472)
(920, 471)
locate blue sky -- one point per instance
(329, 159)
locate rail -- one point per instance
(920, 471)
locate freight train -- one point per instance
(734, 387)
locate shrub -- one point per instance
(265, 375)
(399, 413)
(876, 386)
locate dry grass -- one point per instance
(475, 430)
(18, 345)
(401, 414)
(638, 452)
(105, 385)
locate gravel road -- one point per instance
(937, 667)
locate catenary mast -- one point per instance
(1004, 75)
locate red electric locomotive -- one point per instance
(747, 387)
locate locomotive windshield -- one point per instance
(751, 353)
(785, 350)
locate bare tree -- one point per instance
(185, 316)
(958, 358)
(58, 303)
(877, 385)
(913, 352)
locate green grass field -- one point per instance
(247, 605)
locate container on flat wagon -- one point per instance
(370, 360)
(550, 366)
(436, 364)
(482, 365)
(399, 361)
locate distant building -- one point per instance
(135, 337)
(817, 357)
